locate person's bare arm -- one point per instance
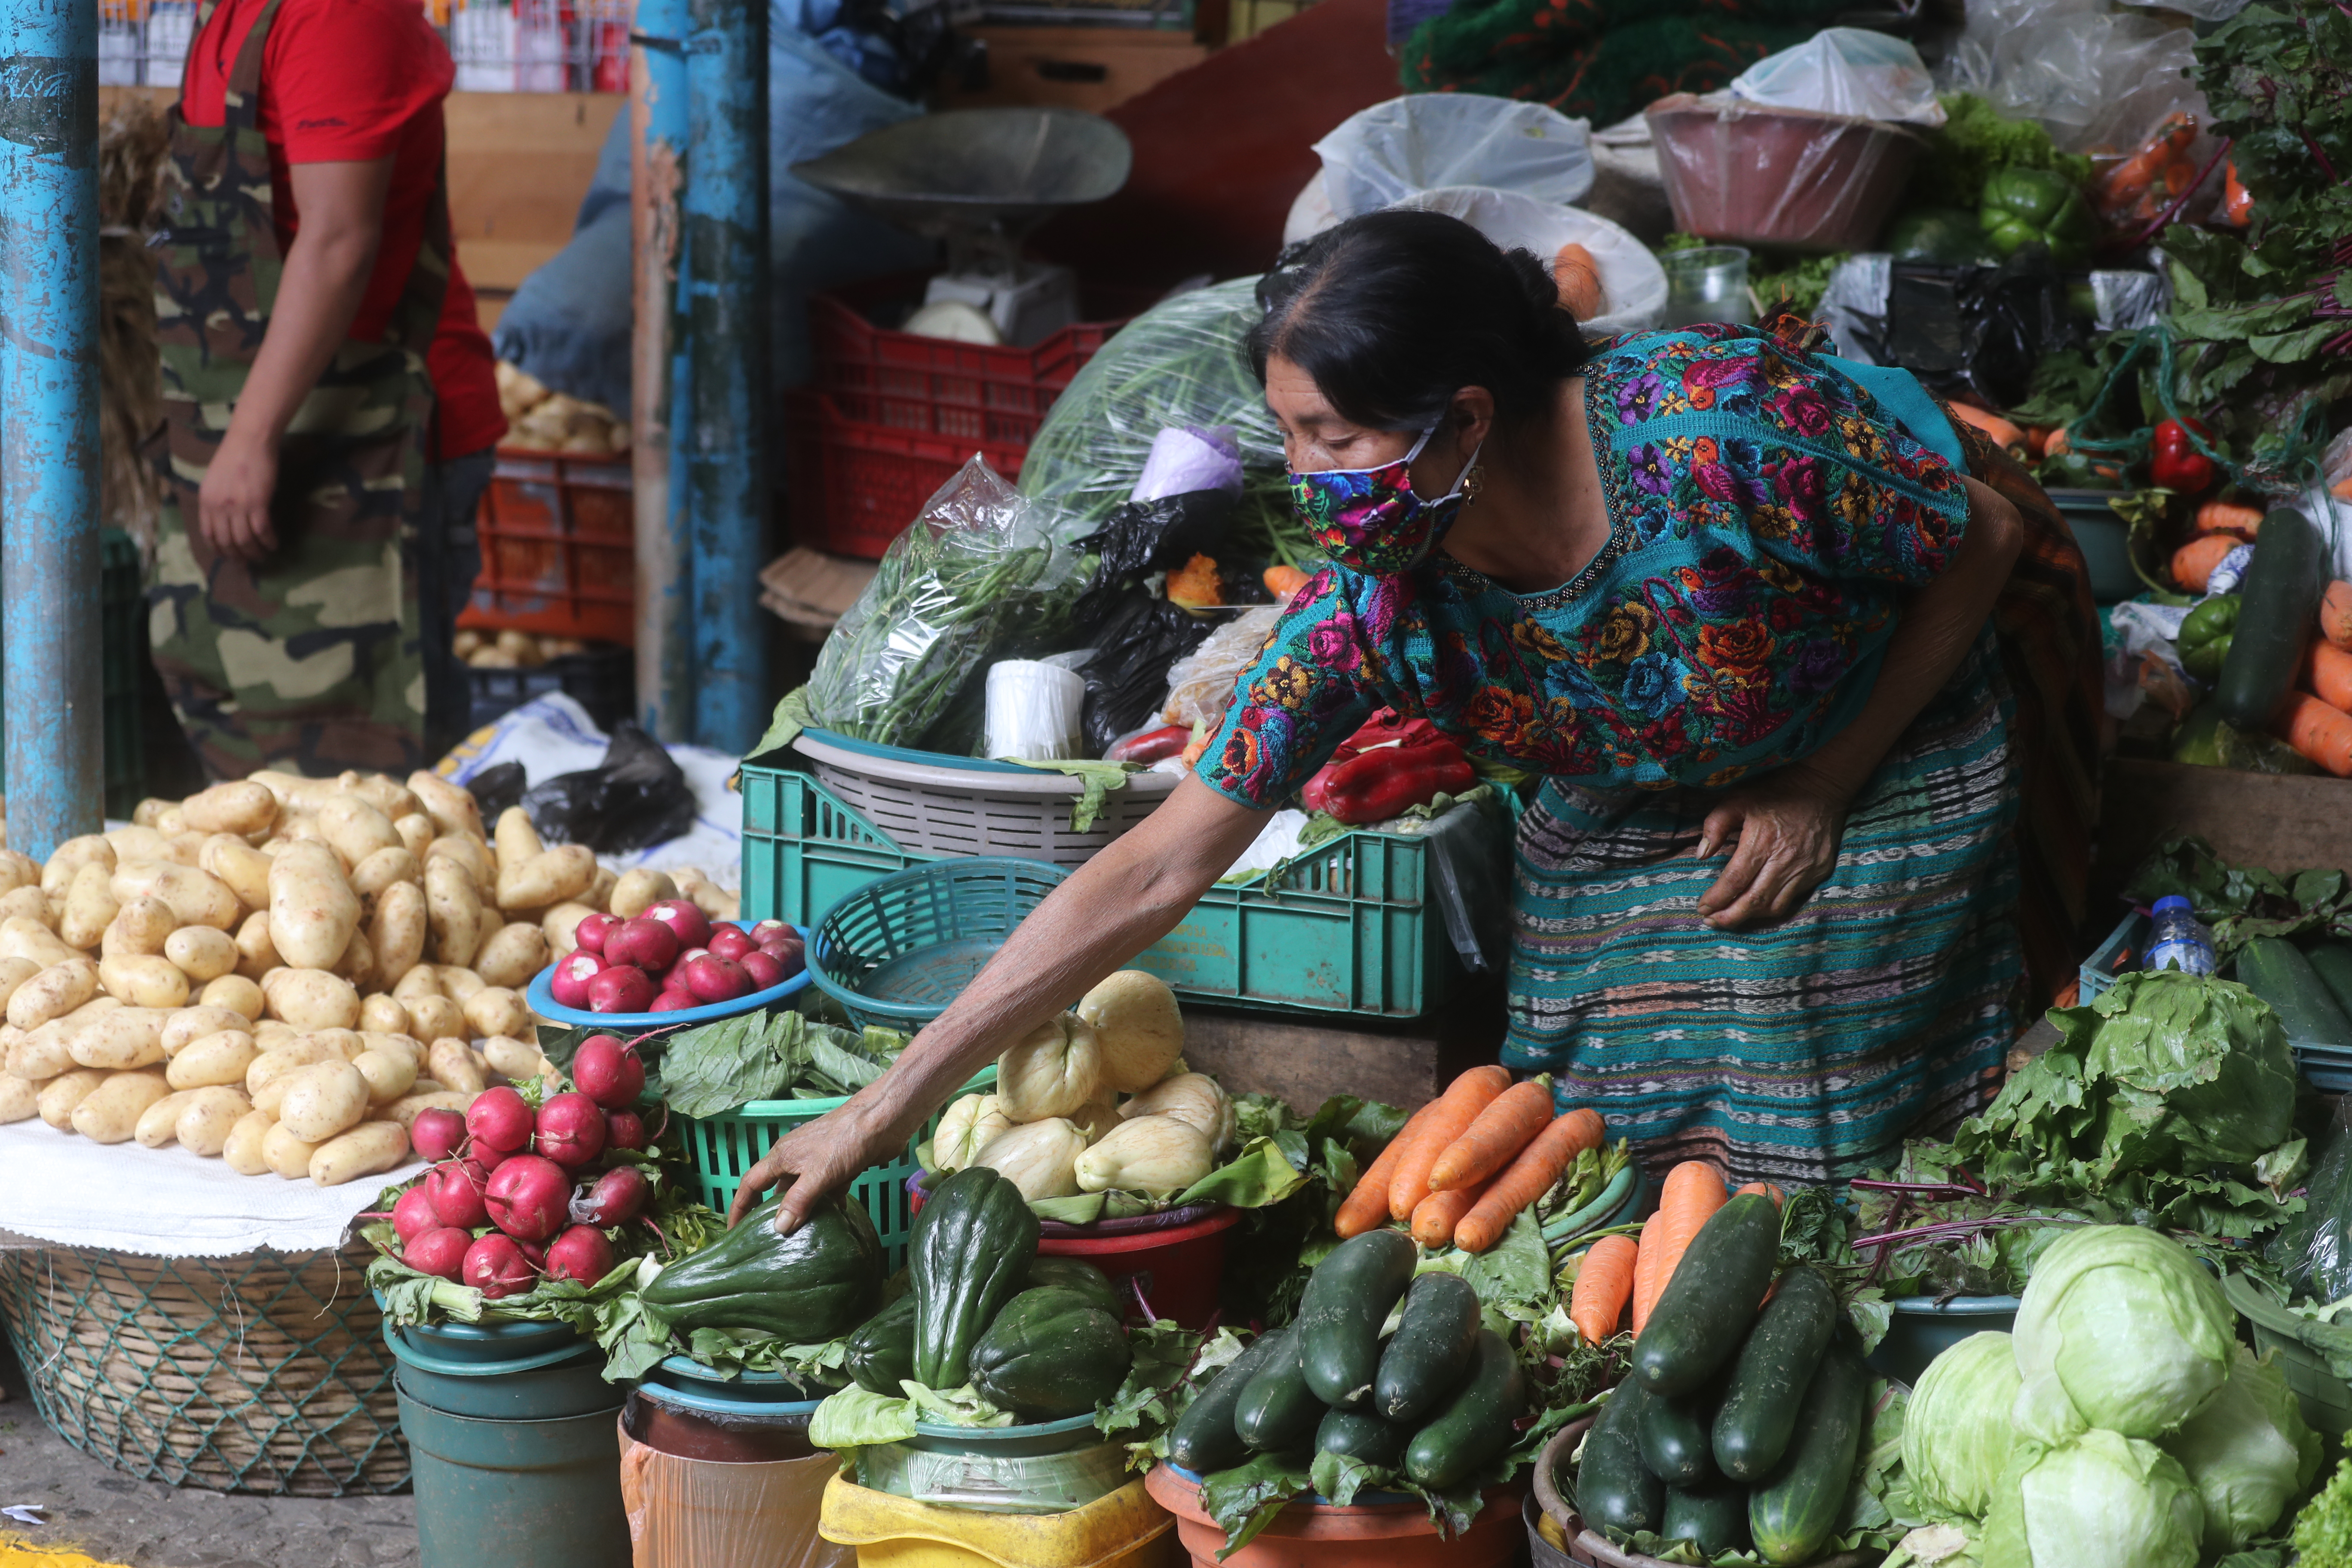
(319, 291)
(1128, 897)
(1788, 822)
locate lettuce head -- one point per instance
(2247, 1452)
(2098, 1500)
(1957, 1431)
(2119, 1328)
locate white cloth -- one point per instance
(166, 1203)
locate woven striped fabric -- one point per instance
(1804, 1052)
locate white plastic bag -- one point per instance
(1423, 141)
(1632, 284)
(1201, 684)
(1846, 70)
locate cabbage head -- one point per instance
(2119, 1328)
(1957, 1431)
(2247, 1452)
(2101, 1500)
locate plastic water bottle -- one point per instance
(2179, 940)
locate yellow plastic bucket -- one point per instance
(1124, 1530)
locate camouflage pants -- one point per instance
(448, 559)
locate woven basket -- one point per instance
(262, 1373)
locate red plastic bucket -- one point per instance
(1316, 1535)
(1179, 1270)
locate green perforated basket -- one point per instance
(895, 952)
(265, 1372)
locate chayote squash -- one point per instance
(881, 1352)
(970, 1254)
(1155, 1154)
(1050, 1354)
(1077, 1274)
(813, 1285)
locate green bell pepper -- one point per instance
(2206, 633)
(2037, 206)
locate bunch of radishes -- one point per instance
(670, 957)
(531, 1178)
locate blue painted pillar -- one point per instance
(657, 173)
(721, 449)
(48, 421)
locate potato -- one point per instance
(144, 981)
(15, 971)
(382, 1014)
(358, 962)
(275, 1034)
(90, 906)
(120, 1041)
(39, 1054)
(600, 889)
(515, 838)
(422, 981)
(512, 956)
(160, 1123)
(470, 851)
(21, 937)
(397, 933)
(283, 1060)
(513, 1059)
(71, 857)
(312, 910)
(454, 905)
(27, 904)
(243, 870)
(459, 983)
(382, 869)
(406, 1109)
(323, 1100)
(495, 1010)
(242, 807)
(296, 795)
(367, 1149)
(715, 902)
(452, 809)
(109, 1113)
(388, 1074)
(190, 1024)
(20, 1099)
(53, 993)
(219, 1060)
(135, 843)
(308, 999)
(62, 1093)
(639, 891)
(209, 1118)
(285, 1153)
(384, 792)
(452, 1063)
(415, 832)
(549, 877)
(235, 993)
(431, 1017)
(197, 897)
(149, 811)
(256, 953)
(201, 953)
(560, 926)
(140, 927)
(18, 870)
(356, 829)
(246, 1143)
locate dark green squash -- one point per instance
(881, 1352)
(1050, 1354)
(971, 1253)
(815, 1284)
(1078, 1274)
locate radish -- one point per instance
(499, 1120)
(571, 1129)
(619, 1196)
(642, 944)
(581, 1253)
(481, 1157)
(413, 1216)
(766, 929)
(532, 1253)
(592, 931)
(624, 1130)
(715, 979)
(764, 970)
(787, 945)
(454, 1190)
(437, 1133)
(496, 1266)
(620, 989)
(693, 928)
(440, 1252)
(671, 1001)
(608, 1072)
(572, 974)
(730, 942)
(529, 1198)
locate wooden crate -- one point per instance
(1092, 68)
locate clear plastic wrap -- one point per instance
(2314, 1248)
(2096, 80)
(1845, 71)
(984, 1483)
(685, 1513)
(1752, 174)
(1425, 141)
(1201, 684)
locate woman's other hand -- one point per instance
(234, 501)
(818, 1159)
(1788, 825)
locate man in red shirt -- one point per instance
(348, 108)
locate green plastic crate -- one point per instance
(1347, 929)
(2327, 1067)
(122, 651)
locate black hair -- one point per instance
(1393, 312)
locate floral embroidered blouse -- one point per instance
(1766, 515)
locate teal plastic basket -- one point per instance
(895, 952)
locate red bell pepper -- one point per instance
(1390, 766)
(1150, 746)
(2176, 463)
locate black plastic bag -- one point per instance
(1141, 537)
(1979, 329)
(496, 788)
(637, 796)
(1127, 679)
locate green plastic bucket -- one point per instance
(755, 1392)
(488, 1341)
(520, 1494)
(2326, 1399)
(1006, 1442)
(1923, 1329)
(566, 1381)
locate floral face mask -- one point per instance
(1370, 521)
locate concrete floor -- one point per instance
(116, 1519)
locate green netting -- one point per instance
(262, 1373)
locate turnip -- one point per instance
(496, 1266)
(571, 1129)
(414, 1215)
(456, 1190)
(581, 1253)
(641, 943)
(608, 1072)
(624, 1130)
(571, 976)
(592, 931)
(440, 1252)
(438, 1135)
(623, 988)
(715, 979)
(530, 1197)
(671, 1001)
(730, 942)
(619, 1196)
(499, 1120)
(692, 927)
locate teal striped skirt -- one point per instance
(1804, 1051)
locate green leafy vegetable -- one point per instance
(2242, 902)
(1974, 141)
(2323, 1530)
(731, 1062)
(2247, 1452)
(2121, 1328)
(1798, 287)
(1958, 1435)
(2102, 1500)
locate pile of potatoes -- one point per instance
(556, 421)
(511, 649)
(283, 972)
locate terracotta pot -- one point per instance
(1316, 1535)
(1750, 173)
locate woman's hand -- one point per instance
(1788, 825)
(234, 502)
(818, 1159)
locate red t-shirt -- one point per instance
(352, 81)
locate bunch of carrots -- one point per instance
(1618, 1271)
(2317, 718)
(1469, 1161)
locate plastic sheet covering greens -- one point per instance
(687, 1511)
(1029, 1483)
(981, 574)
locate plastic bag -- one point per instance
(2096, 80)
(637, 796)
(1185, 459)
(1846, 70)
(985, 1483)
(1201, 684)
(686, 1512)
(2314, 1248)
(498, 787)
(1423, 141)
(1137, 633)
(1980, 327)
(979, 575)
(1633, 283)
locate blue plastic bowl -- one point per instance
(545, 1005)
(1921, 1329)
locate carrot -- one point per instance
(2320, 733)
(1645, 1267)
(2335, 614)
(1283, 582)
(2327, 675)
(1367, 1203)
(1436, 1216)
(1449, 1115)
(2193, 563)
(2222, 517)
(2341, 489)
(2005, 434)
(1779, 1198)
(1506, 1126)
(1529, 1177)
(1604, 1281)
(1693, 1193)
(2055, 444)
(1579, 280)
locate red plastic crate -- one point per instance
(559, 548)
(855, 486)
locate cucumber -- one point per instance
(1278, 1412)
(1792, 1515)
(2276, 604)
(1430, 1351)
(1708, 1306)
(1715, 1517)
(1768, 1380)
(1675, 1437)
(1615, 1491)
(2275, 969)
(2332, 962)
(1475, 1427)
(1362, 1436)
(1348, 1299)
(1204, 1438)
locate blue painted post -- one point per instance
(657, 173)
(55, 765)
(721, 449)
